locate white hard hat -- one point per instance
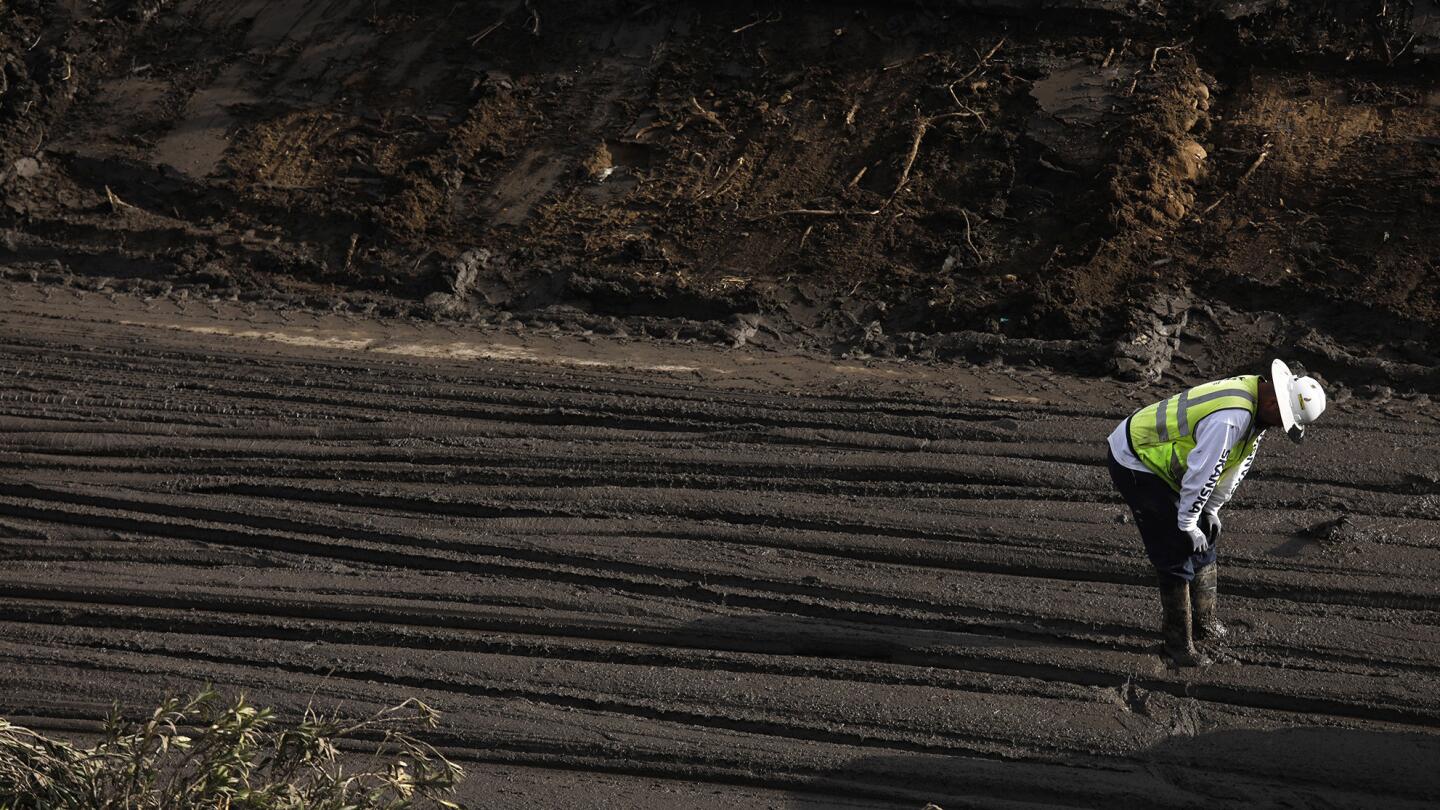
(1301, 399)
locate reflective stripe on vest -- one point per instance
(1162, 434)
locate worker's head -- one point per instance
(1289, 402)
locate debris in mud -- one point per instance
(1345, 534)
(599, 166)
(1338, 536)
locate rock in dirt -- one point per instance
(27, 167)
(445, 305)
(461, 274)
(1323, 350)
(1189, 161)
(742, 328)
(984, 347)
(1144, 354)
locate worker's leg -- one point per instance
(1155, 507)
(1204, 595)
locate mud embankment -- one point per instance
(1173, 187)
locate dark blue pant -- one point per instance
(1156, 508)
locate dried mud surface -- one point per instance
(643, 575)
(1084, 186)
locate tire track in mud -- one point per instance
(788, 587)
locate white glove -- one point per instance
(1198, 541)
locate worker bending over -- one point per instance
(1177, 461)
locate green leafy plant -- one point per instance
(209, 752)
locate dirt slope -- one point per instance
(731, 582)
(858, 177)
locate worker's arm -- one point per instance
(1230, 481)
(1216, 434)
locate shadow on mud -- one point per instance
(1298, 766)
(825, 644)
(806, 636)
(915, 641)
(1307, 766)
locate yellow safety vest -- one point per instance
(1163, 434)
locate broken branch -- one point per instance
(979, 258)
(1212, 206)
(1390, 58)
(724, 184)
(534, 23)
(1111, 55)
(965, 108)
(1156, 53)
(350, 252)
(983, 62)
(993, 50)
(1052, 167)
(115, 202)
(647, 129)
(704, 115)
(776, 17)
(824, 212)
(906, 61)
(475, 40)
(922, 125)
(1255, 164)
(697, 113)
(1264, 153)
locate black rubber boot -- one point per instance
(1203, 590)
(1179, 646)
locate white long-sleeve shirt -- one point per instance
(1204, 488)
